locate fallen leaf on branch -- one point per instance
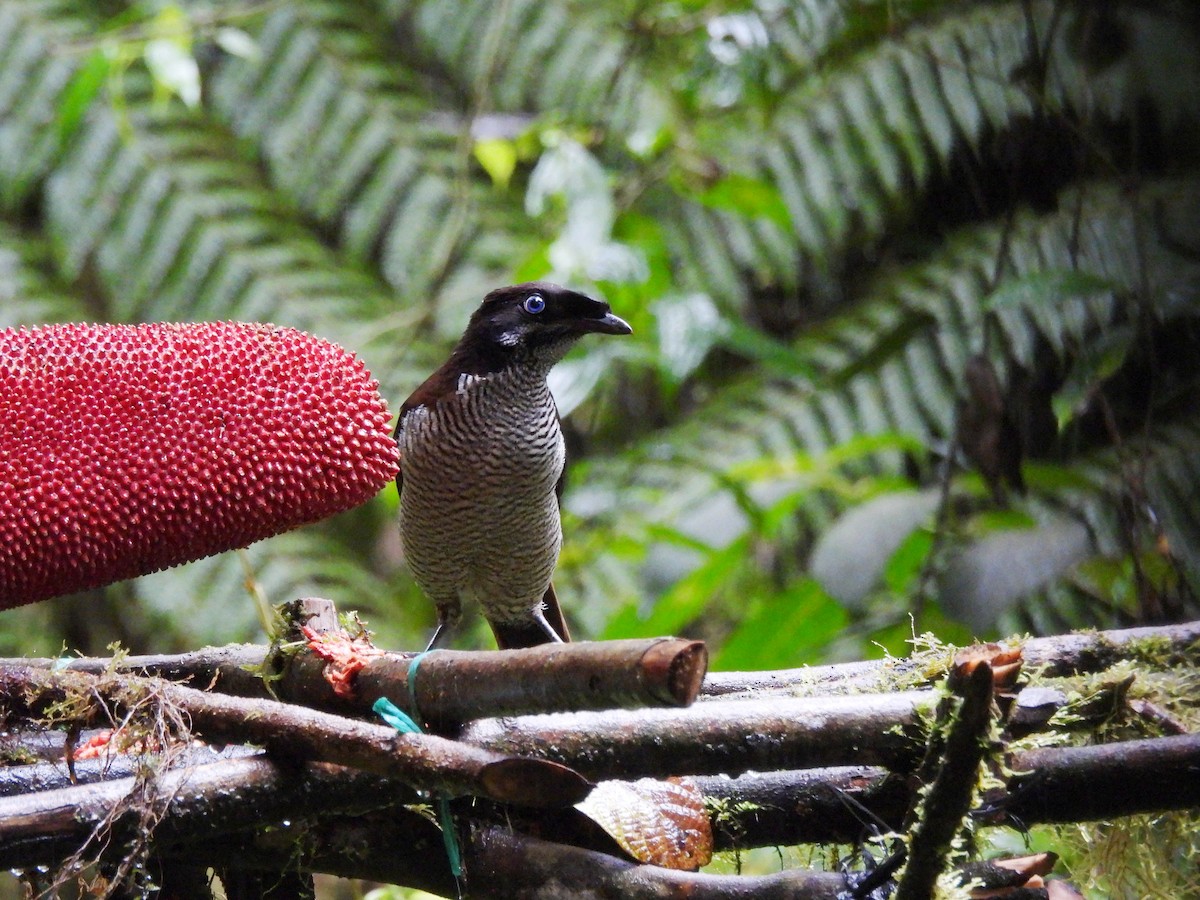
(659, 822)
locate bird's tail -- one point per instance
(532, 631)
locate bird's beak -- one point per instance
(610, 324)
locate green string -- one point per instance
(411, 681)
(402, 722)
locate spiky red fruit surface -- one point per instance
(125, 449)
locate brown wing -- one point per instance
(443, 381)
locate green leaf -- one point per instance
(498, 156)
(82, 88)
(1117, 582)
(760, 347)
(1097, 361)
(645, 233)
(238, 43)
(823, 470)
(990, 520)
(683, 603)
(174, 69)
(168, 55)
(573, 380)
(749, 197)
(1051, 478)
(905, 565)
(1045, 288)
(785, 629)
(535, 266)
(687, 328)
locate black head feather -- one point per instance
(533, 324)
(527, 316)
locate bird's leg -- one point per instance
(539, 616)
(449, 615)
(441, 636)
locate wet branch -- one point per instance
(293, 732)
(1060, 655)
(452, 686)
(717, 737)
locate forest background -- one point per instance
(915, 289)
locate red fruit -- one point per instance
(125, 449)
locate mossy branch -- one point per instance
(876, 736)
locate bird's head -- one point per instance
(536, 321)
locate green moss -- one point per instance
(1155, 857)
(15, 755)
(1160, 652)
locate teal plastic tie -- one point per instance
(403, 722)
(411, 680)
(396, 717)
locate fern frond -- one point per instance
(178, 226)
(895, 363)
(29, 292)
(348, 133)
(526, 55)
(35, 73)
(852, 149)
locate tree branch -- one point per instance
(1061, 655)
(840, 805)
(1078, 784)
(424, 761)
(456, 686)
(204, 800)
(453, 686)
(767, 809)
(775, 804)
(1063, 784)
(949, 796)
(506, 865)
(719, 736)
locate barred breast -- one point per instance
(478, 512)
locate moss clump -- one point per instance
(1155, 857)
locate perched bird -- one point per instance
(481, 464)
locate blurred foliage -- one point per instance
(819, 216)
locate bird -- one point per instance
(482, 461)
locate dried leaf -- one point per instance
(1005, 663)
(659, 822)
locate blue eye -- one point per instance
(534, 304)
